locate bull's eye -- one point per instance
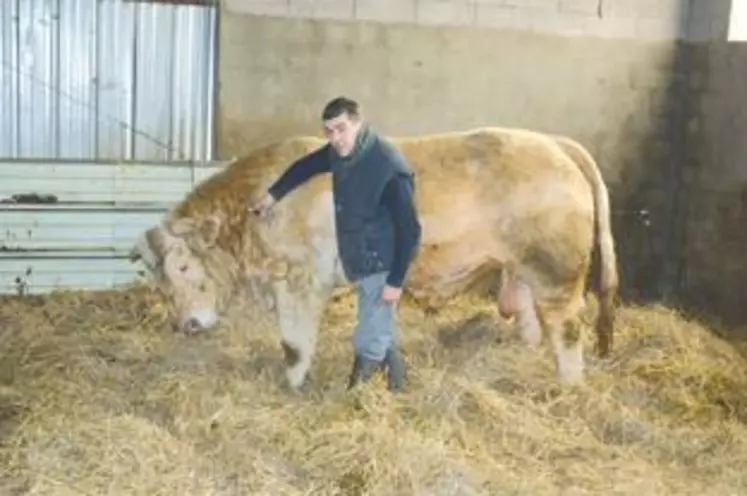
(183, 268)
(202, 287)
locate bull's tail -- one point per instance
(608, 273)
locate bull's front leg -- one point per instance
(299, 313)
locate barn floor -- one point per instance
(98, 396)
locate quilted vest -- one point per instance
(365, 232)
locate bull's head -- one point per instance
(180, 257)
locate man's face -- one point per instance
(341, 132)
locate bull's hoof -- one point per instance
(571, 369)
(296, 379)
(298, 387)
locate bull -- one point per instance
(529, 207)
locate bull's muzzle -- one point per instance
(201, 320)
(192, 326)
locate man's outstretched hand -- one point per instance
(391, 295)
(263, 206)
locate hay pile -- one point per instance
(98, 396)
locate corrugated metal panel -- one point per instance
(81, 220)
(106, 79)
(100, 183)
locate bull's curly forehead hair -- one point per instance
(341, 105)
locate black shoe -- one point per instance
(363, 370)
(396, 375)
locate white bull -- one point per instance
(489, 199)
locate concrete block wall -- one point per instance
(635, 19)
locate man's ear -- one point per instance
(210, 229)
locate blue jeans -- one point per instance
(377, 330)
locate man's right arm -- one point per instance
(303, 169)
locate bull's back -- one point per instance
(483, 163)
(493, 196)
(503, 180)
(509, 187)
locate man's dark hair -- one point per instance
(340, 105)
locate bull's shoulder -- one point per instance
(231, 189)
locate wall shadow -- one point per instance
(647, 204)
(713, 271)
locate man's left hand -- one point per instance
(391, 295)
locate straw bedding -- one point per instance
(98, 396)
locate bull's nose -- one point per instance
(192, 325)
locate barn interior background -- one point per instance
(111, 110)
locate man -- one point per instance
(378, 229)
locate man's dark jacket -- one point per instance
(367, 239)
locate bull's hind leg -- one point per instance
(515, 299)
(561, 319)
(298, 314)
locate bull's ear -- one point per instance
(150, 246)
(209, 230)
(180, 227)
